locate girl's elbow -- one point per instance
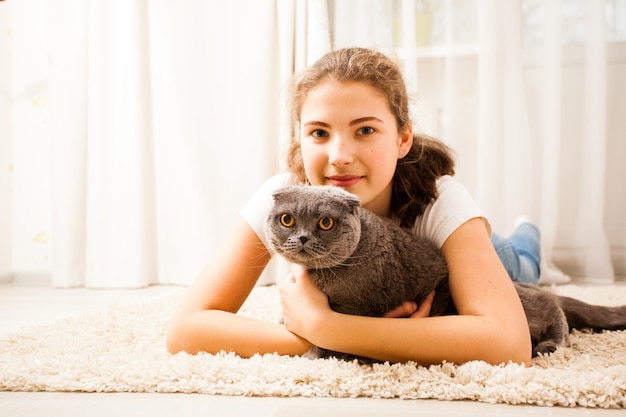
(520, 356)
(516, 348)
(175, 338)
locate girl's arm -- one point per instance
(206, 318)
(491, 325)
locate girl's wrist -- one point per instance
(295, 344)
(325, 326)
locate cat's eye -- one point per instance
(287, 220)
(326, 223)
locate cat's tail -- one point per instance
(581, 315)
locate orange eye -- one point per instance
(326, 223)
(287, 220)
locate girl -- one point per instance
(352, 130)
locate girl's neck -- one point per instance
(381, 206)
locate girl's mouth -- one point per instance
(344, 180)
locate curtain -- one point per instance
(528, 118)
(530, 160)
(6, 128)
(135, 130)
(160, 131)
(163, 119)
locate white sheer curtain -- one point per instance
(529, 120)
(160, 120)
(529, 159)
(163, 119)
(526, 160)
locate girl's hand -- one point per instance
(302, 302)
(410, 308)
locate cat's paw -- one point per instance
(546, 347)
(314, 353)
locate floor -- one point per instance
(25, 305)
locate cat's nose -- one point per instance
(303, 239)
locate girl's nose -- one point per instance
(340, 152)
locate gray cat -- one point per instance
(368, 265)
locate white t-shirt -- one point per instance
(451, 209)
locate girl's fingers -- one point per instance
(406, 309)
(411, 309)
(424, 308)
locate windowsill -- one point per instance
(571, 54)
(439, 51)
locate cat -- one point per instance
(368, 265)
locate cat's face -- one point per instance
(317, 227)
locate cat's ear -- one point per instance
(281, 193)
(352, 201)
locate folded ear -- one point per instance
(353, 201)
(350, 200)
(283, 192)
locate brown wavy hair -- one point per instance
(414, 182)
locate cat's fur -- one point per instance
(368, 265)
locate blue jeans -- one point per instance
(520, 253)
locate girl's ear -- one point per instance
(405, 140)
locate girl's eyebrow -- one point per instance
(365, 119)
(316, 123)
(352, 123)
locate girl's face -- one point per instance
(350, 139)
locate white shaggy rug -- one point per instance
(122, 349)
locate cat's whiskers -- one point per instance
(354, 260)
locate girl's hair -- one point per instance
(414, 182)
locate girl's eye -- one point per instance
(326, 223)
(287, 220)
(319, 133)
(365, 130)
